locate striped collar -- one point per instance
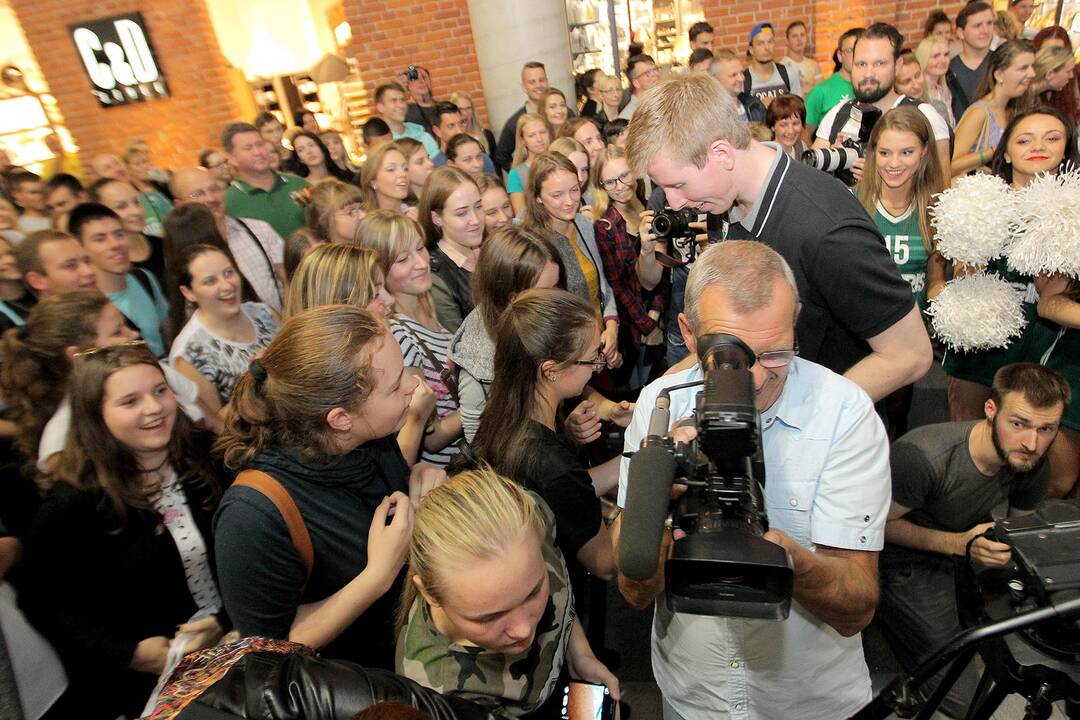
(754, 220)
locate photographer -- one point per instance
(859, 317)
(947, 479)
(873, 75)
(826, 495)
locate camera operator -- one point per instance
(873, 75)
(826, 494)
(946, 481)
(859, 317)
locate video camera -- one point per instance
(839, 161)
(723, 566)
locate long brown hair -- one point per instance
(1000, 59)
(539, 325)
(94, 460)
(510, 262)
(370, 170)
(311, 367)
(928, 180)
(543, 166)
(34, 366)
(440, 185)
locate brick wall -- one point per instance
(827, 20)
(390, 35)
(205, 92)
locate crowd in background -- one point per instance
(232, 392)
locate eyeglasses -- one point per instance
(129, 345)
(777, 358)
(651, 71)
(203, 192)
(599, 362)
(353, 210)
(612, 183)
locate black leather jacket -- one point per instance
(279, 686)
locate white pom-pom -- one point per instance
(1045, 237)
(978, 312)
(972, 218)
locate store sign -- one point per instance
(119, 60)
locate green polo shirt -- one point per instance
(277, 207)
(826, 95)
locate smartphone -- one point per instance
(586, 701)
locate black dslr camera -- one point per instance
(723, 566)
(671, 224)
(412, 73)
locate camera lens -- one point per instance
(661, 225)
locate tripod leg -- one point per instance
(988, 698)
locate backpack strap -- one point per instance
(275, 492)
(841, 119)
(782, 69)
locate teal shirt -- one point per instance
(824, 96)
(904, 241)
(417, 132)
(516, 178)
(145, 312)
(277, 207)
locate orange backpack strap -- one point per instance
(294, 521)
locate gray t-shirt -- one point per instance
(774, 85)
(933, 473)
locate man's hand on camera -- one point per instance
(985, 551)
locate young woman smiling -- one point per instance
(552, 105)
(554, 201)
(310, 159)
(1037, 141)
(317, 412)
(384, 180)
(533, 138)
(1002, 93)
(119, 560)
(933, 55)
(425, 343)
(419, 164)
(786, 117)
(452, 218)
(902, 177)
(617, 213)
(223, 333)
(498, 211)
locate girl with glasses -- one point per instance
(547, 347)
(618, 224)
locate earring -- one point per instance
(552, 377)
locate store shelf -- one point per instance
(586, 52)
(583, 24)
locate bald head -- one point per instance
(109, 166)
(198, 185)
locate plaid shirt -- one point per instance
(619, 251)
(255, 264)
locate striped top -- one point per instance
(409, 334)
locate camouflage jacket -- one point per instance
(509, 686)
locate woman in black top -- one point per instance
(118, 561)
(452, 218)
(310, 159)
(317, 413)
(547, 347)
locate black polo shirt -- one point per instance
(848, 283)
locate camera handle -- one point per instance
(901, 696)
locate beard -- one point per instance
(1003, 454)
(873, 93)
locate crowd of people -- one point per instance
(286, 401)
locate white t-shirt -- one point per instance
(937, 123)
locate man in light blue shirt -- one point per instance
(391, 106)
(827, 495)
